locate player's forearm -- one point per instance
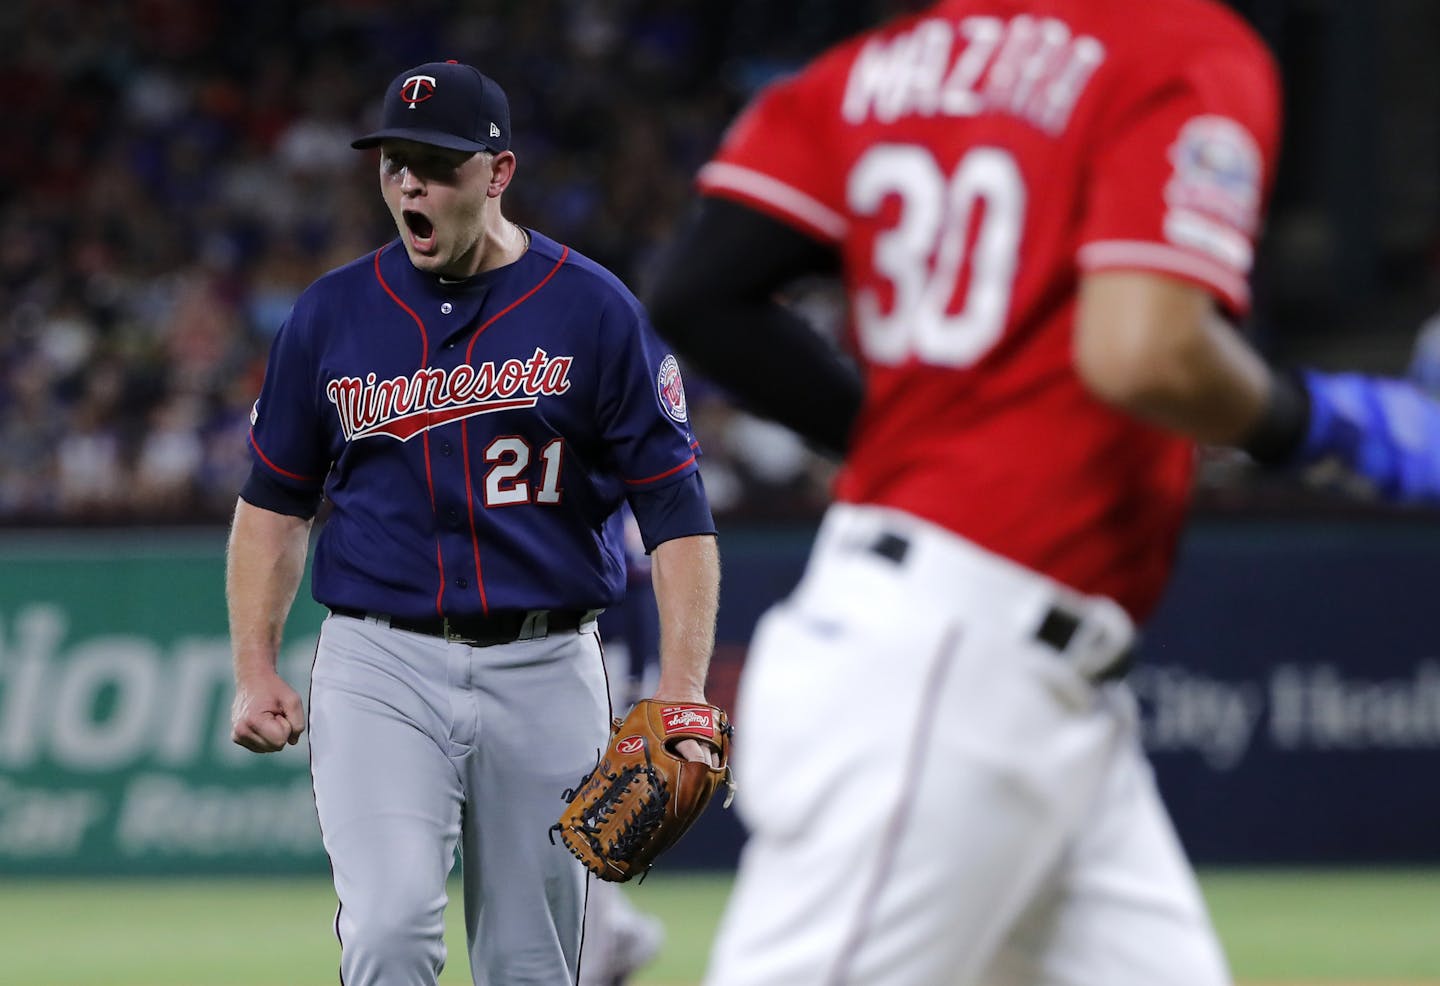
(1155, 348)
(686, 576)
(1219, 395)
(714, 300)
(264, 565)
(719, 339)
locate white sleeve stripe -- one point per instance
(1225, 244)
(1157, 256)
(786, 198)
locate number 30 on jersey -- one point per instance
(936, 215)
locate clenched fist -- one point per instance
(267, 715)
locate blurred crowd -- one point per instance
(174, 173)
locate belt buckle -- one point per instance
(535, 626)
(452, 638)
(1087, 640)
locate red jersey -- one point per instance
(970, 163)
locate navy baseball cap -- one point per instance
(446, 104)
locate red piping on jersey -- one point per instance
(464, 434)
(284, 472)
(470, 504)
(439, 558)
(470, 349)
(660, 475)
(425, 436)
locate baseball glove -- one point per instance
(642, 796)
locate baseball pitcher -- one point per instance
(474, 402)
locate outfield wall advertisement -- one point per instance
(1289, 685)
(1291, 688)
(115, 754)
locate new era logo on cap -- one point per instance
(446, 104)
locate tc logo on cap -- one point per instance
(463, 110)
(417, 89)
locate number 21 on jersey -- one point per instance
(924, 253)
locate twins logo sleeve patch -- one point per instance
(672, 390)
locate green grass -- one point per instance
(1362, 928)
(690, 906)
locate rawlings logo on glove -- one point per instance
(643, 796)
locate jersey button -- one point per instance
(453, 516)
(445, 448)
(463, 583)
(446, 308)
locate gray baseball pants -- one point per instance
(419, 746)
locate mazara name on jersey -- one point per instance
(1031, 67)
(403, 407)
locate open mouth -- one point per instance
(422, 230)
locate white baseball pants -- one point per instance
(936, 795)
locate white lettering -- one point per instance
(125, 672)
(867, 75)
(1039, 63)
(1031, 68)
(114, 701)
(1315, 707)
(400, 406)
(1020, 36)
(1310, 708)
(163, 815)
(200, 691)
(983, 35)
(920, 92)
(1187, 711)
(1051, 109)
(35, 822)
(23, 683)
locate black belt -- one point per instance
(1056, 629)
(500, 627)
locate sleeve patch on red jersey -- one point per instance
(671, 389)
(1217, 172)
(1190, 229)
(1213, 195)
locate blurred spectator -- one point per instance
(174, 173)
(167, 465)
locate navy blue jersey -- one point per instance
(476, 438)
